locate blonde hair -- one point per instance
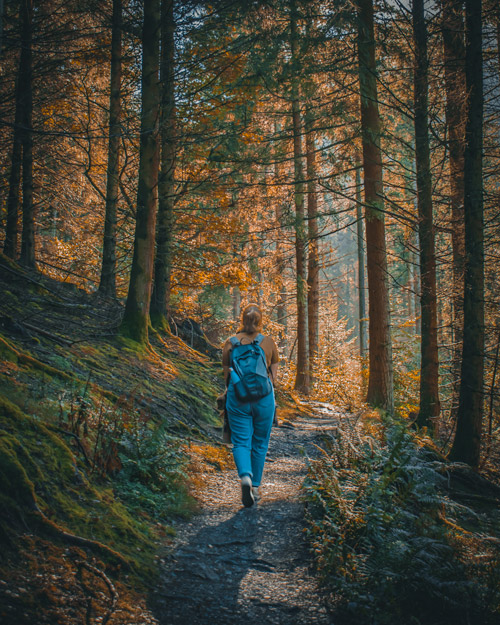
(251, 319)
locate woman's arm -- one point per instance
(274, 371)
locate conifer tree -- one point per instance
(22, 149)
(302, 378)
(380, 382)
(361, 262)
(166, 183)
(452, 28)
(107, 284)
(429, 363)
(467, 442)
(28, 235)
(136, 317)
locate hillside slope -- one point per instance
(94, 443)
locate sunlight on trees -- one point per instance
(311, 156)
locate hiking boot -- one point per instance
(255, 493)
(246, 491)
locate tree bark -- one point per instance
(107, 284)
(313, 256)
(498, 39)
(380, 382)
(163, 260)
(11, 228)
(27, 257)
(281, 309)
(302, 378)
(236, 304)
(467, 443)
(429, 362)
(2, 9)
(452, 28)
(361, 264)
(136, 317)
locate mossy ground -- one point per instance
(66, 379)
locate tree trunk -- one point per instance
(429, 362)
(416, 285)
(2, 9)
(361, 263)
(302, 378)
(452, 28)
(11, 228)
(498, 38)
(313, 257)
(467, 442)
(380, 382)
(136, 317)
(492, 394)
(163, 260)
(236, 304)
(281, 309)
(26, 88)
(410, 283)
(107, 285)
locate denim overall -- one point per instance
(250, 431)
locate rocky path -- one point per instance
(231, 565)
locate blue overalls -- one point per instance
(251, 425)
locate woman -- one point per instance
(250, 421)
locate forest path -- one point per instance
(248, 566)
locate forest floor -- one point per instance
(235, 565)
(75, 549)
(65, 379)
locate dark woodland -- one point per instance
(164, 163)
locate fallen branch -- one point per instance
(301, 406)
(54, 337)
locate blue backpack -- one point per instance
(249, 364)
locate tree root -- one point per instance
(464, 475)
(73, 539)
(473, 497)
(112, 590)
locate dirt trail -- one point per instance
(231, 565)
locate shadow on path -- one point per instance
(233, 565)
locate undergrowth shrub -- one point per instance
(153, 477)
(406, 365)
(338, 369)
(118, 441)
(377, 527)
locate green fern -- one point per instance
(375, 525)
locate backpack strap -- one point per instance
(258, 339)
(234, 341)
